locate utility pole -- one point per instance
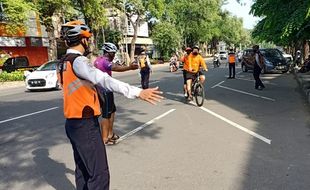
(126, 24)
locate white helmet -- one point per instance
(109, 47)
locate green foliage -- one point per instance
(93, 11)
(166, 38)
(14, 76)
(284, 21)
(16, 13)
(112, 36)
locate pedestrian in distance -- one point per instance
(108, 109)
(78, 78)
(259, 64)
(145, 69)
(232, 64)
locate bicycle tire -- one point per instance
(199, 94)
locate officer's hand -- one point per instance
(151, 95)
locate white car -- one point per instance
(288, 57)
(223, 57)
(44, 77)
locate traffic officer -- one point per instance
(232, 64)
(81, 106)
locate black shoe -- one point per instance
(229, 78)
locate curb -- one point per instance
(303, 80)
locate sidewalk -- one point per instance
(304, 82)
(11, 84)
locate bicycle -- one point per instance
(198, 91)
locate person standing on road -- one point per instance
(195, 62)
(259, 64)
(108, 109)
(232, 64)
(78, 78)
(145, 69)
(185, 61)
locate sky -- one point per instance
(242, 11)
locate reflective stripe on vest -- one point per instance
(80, 96)
(231, 58)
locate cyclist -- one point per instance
(195, 62)
(104, 63)
(81, 106)
(185, 61)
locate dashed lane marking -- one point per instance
(27, 115)
(144, 126)
(247, 93)
(258, 136)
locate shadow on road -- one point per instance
(53, 172)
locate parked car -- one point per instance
(44, 77)
(17, 63)
(274, 60)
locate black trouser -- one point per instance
(145, 76)
(256, 72)
(232, 66)
(92, 172)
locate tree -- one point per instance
(166, 38)
(52, 13)
(136, 12)
(95, 16)
(285, 22)
(15, 13)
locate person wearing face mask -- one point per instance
(195, 63)
(104, 63)
(259, 64)
(185, 61)
(78, 78)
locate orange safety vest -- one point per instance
(80, 96)
(231, 58)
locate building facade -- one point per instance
(32, 43)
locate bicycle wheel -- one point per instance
(199, 94)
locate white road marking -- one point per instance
(254, 81)
(34, 113)
(247, 93)
(143, 126)
(239, 72)
(218, 84)
(264, 139)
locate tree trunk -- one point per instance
(306, 49)
(52, 48)
(53, 32)
(134, 38)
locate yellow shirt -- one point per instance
(195, 62)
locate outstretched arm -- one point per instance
(119, 68)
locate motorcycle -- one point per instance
(216, 62)
(173, 67)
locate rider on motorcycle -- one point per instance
(173, 62)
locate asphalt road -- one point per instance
(241, 139)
